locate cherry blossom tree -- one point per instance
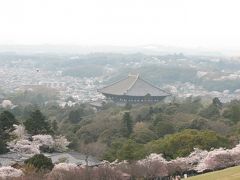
(10, 172)
(23, 144)
(43, 140)
(216, 159)
(19, 132)
(61, 143)
(199, 161)
(64, 166)
(235, 153)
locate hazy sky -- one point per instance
(183, 23)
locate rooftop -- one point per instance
(133, 85)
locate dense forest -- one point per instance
(132, 132)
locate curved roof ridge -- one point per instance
(133, 85)
(112, 84)
(154, 86)
(137, 76)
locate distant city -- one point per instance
(79, 76)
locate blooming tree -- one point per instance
(19, 132)
(65, 166)
(43, 140)
(61, 143)
(7, 104)
(199, 161)
(23, 144)
(10, 172)
(216, 159)
(235, 153)
(153, 157)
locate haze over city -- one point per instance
(119, 89)
(211, 25)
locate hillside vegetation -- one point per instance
(132, 132)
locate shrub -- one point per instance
(40, 162)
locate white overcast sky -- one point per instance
(181, 23)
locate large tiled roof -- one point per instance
(133, 85)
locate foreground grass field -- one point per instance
(226, 174)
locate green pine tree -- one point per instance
(127, 124)
(7, 120)
(37, 124)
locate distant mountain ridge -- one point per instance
(145, 49)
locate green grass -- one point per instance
(232, 173)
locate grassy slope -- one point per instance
(226, 174)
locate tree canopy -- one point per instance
(183, 143)
(7, 120)
(40, 162)
(37, 124)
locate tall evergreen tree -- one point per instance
(127, 124)
(75, 115)
(37, 124)
(7, 120)
(3, 147)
